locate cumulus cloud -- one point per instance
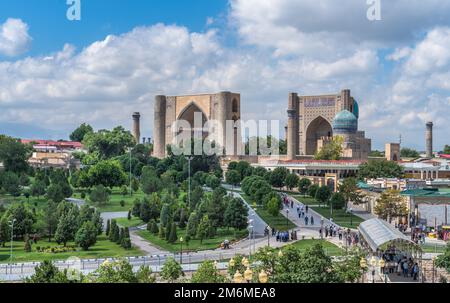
(14, 37)
(306, 46)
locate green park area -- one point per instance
(101, 249)
(133, 222)
(214, 242)
(329, 248)
(339, 216)
(118, 202)
(278, 222)
(306, 200)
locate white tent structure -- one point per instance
(378, 234)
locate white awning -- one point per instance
(377, 232)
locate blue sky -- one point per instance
(56, 74)
(50, 28)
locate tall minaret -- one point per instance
(137, 127)
(429, 139)
(292, 129)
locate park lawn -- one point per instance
(102, 249)
(114, 202)
(279, 222)
(39, 203)
(433, 249)
(307, 200)
(340, 217)
(124, 222)
(194, 244)
(330, 248)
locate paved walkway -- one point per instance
(145, 245)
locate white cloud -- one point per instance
(14, 37)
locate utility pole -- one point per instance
(12, 236)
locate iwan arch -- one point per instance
(220, 107)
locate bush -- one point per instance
(122, 203)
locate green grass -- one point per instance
(306, 200)
(279, 222)
(102, 249)
(340, 217)
(33, 202)
(194, 244)
(437, 249)
(124, 222)
(114, 203)
(330, 248)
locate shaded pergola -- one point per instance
(379, 235)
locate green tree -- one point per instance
(303, 186)
(24, 219)
(55, 193)
(108, 227)
(108, 173)
(323, 194)
(108, 144)
(203, 228)
(351, 192)
(86, 236)
(171, 270)
(337, 200)
(409, 153)
(134, 185)
(443, 261)
(51, 218)
(391, 205)
(173, 237)
(332, 150)
(5, 231)
(312, 190)
(236, 214)
(150, 182)
(124, 190)
(233, 177)
(38, 188)
(79, 133)
(165, 215)
(99, 195)
(207, 272)
(114, 272)
(273, 207)
(14, 155)
(46, 272)
(446, 149)
(11, 183)
(291, 181)
(380, 169)
(278, 177)
(191, 228)
(64, 232)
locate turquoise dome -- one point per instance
(345, 122)
(356, 109)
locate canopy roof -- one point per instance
(378, 233)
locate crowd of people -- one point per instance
(400, 264)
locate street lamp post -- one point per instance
(11, 223)
(269, 231)
(373, 263)
(382, 264)
(363, 265)
(433, 275)
(287, 219)
(189, 178)
(181, 250)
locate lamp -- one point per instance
(248, 274)
(231, 263)
(263, 278)
(382, 264)
(238, 277)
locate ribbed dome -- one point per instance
(356, 110)
(345, 122)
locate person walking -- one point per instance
(307, 208)
(312, 220)
(415, 271)
(326, 231)
(306, 220)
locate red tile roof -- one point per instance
(60, 144)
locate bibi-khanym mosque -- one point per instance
(312, 122)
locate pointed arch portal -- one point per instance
(317, 129)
